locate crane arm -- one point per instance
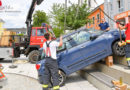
(29, 16)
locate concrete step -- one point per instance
(120, 60)
(116, 71)
(98, 79)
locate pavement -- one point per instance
(24, 77)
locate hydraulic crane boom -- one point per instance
(29, 16)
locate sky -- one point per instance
(19, 8)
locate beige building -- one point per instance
(1, 27)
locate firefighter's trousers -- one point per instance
(51, 70)
(127, 50)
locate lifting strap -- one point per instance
(47, 51)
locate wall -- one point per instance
(1, 28)
(112, 9)
(94, 14)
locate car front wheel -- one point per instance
(118, 50)
(62, 78)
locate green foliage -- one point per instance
(39, 17)
(57, 32)
(21, 34)
(77, 16)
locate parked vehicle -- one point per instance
(30, 44)
(82, 48)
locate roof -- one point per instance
(96, 8)
(17, 29)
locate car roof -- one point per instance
(78, 30)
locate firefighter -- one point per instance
(104, 26)
(127, 32)
(51, 66)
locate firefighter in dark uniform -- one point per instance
(127, 32)
(51, 66)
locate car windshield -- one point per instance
(94, 31)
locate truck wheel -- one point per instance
(117, 50)
(33, 56)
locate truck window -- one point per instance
(33, 32)
(40, 32)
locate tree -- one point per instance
(77, 15)
(39, 17)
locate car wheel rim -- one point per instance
(120, 50)
(61, 78)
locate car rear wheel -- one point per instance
(117, 50)
(33, 56)
(62, 79)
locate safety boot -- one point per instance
(56, 87)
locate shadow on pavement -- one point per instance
(74, 78)
(5, 61)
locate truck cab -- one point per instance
(37, 35)
(36, 41)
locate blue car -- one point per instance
(82, 48)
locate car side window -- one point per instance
(66, 45)
(40, 32)
(82, 37)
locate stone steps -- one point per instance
(116, 71)
(98, 79)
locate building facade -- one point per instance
(1, 27)
(117, 10)
(95, 16)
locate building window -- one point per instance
(89, 24)
(120, 5)
(129, 5)
(98, 18)
(111, 6)
(93, 19)
(89, 3)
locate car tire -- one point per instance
(117, 50)
(62, 78)
(1, 59)
(33, 56)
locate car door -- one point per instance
(71, 58)
(92, 50)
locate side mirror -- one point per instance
(93, 37)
